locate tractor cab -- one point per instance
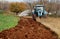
(39, 11)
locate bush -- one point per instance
(17, 7)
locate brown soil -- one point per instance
(28, 29)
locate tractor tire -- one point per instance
(34, 17)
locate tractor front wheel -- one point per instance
(34, 17)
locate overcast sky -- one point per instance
(15, 0)
(18, 0)
(22, 0)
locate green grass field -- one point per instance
(8, 21)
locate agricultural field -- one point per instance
(52, 22)
(11, 26)
(17, 19)
(27, 28)
(7, 21)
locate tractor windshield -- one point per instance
(40, 8)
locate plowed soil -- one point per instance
(27, 28)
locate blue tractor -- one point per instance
(39, 11)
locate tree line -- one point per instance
(16, 7)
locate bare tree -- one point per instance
(30, 2)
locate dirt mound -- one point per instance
(28, 29)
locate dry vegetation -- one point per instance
(18, 7)
(52, 23)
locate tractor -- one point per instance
(39, 11)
